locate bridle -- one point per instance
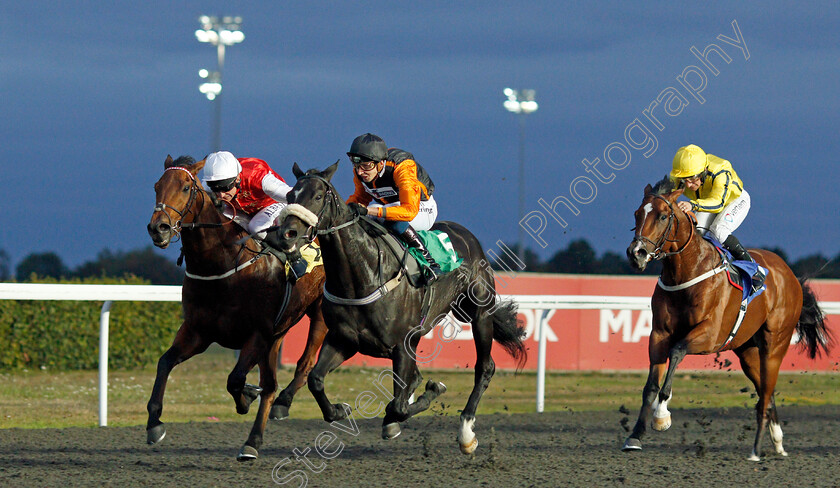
(312, 231)
(179, 224)
(657, 253)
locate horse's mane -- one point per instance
(664, 186)
(184, 161)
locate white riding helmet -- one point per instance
(219, 166)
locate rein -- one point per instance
(663, 239)
(312, 232)
(179, 225)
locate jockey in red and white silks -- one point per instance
(249, 185)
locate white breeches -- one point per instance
(260, 221)
(722, 224)
(426, 215)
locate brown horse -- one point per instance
(233, 295)
(695, 309)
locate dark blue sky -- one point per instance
(94, 98)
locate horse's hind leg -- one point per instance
(482, 328)
(330, 358)
(750, 356)
(317, 331)
(407, 378)
(185, 346)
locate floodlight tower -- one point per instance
(521, 102)
(219, 32)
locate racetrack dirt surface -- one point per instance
(705, 447)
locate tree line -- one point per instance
(577, 258)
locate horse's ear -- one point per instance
(195, 168)
(329, 172)
(676, 194)
(648, 189)
(168, 162)
(297, 171)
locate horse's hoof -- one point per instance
(391, 430)
(632, 444)
(155, 434)
(470, 447)
(247, 453)
(661, 424)
(754, 457)
(436, 386)
(343, 410)
(279, 412)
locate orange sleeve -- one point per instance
(405, 177)
(359, 195)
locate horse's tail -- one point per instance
(811, 326)
(508, 332)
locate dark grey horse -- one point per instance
(370, 309)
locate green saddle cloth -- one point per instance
(440, 247)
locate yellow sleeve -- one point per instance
(405, 177)
(715, 201)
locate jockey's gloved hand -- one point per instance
(358, 209)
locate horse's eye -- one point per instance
(319, 197)
(663, 217)
(186, 188)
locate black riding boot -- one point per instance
(411, 238)
(295, 260)
(739, 253)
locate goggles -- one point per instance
(221, 186)
(363, 163)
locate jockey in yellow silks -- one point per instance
(716, 196)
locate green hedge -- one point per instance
(64, 335)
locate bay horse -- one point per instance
(695, 309)
(233, 294)
(369, 315)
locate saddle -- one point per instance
(411, 261)
(739, 273)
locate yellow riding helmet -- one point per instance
(689, 161)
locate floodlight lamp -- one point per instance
(528, 106)
(513, 106)
(203, 73)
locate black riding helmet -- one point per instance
(367, 147)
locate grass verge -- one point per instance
(196, 393)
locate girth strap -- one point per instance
(376, 295)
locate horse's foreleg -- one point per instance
(268, 384)
(330, 358)
(183, 347)
(649, 397)
(661, 415)
(317, 331)
(243, 395)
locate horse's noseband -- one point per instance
(657, 253)
(161, 206)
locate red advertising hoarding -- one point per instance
(581, 339)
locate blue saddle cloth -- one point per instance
(746, 269)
